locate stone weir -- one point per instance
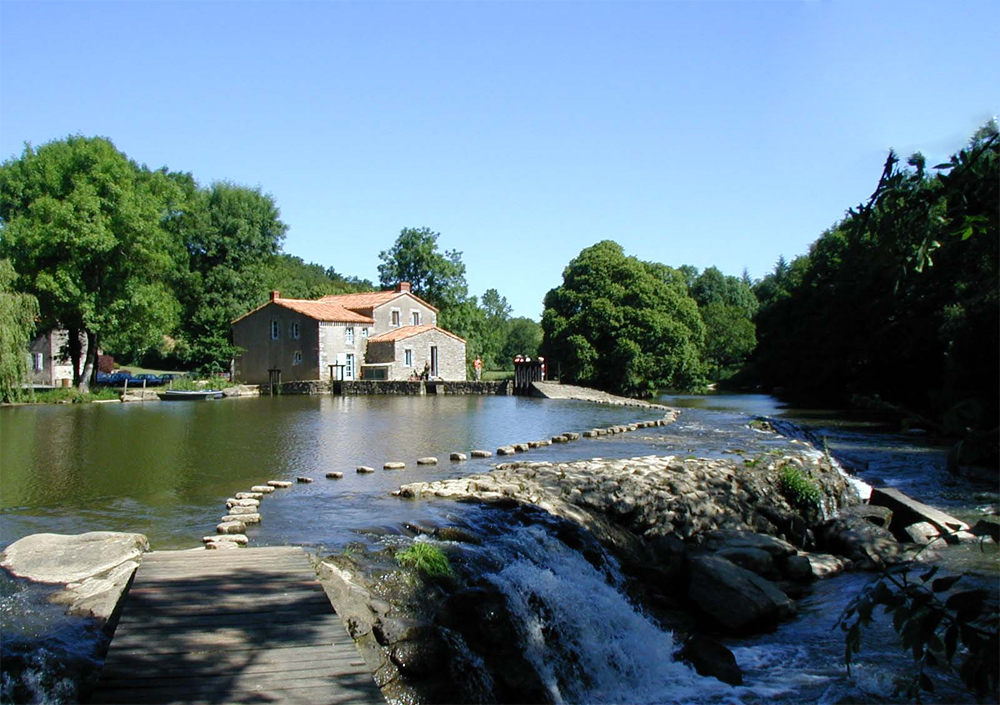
(398, 387)
(706, 547)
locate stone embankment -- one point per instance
(556, 390)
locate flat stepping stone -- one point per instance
(250, 495)
(235, 511)
(279, 483)
(560, 439)
(506, 450)
(482, 454)
(429, 460)
(233, 502)
(459, 457)
(335, 475)
(231, 527)
(263, 489)
(534, 444)
(571, 436)
(521, 447)
(590, 434)
(239, 539)
(245, 518)
(365, 470)
(393, 466)
(221, 546)
(303, 479)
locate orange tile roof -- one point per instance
(408, 332)
(370, 299)
(318, 310)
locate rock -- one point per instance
(506, 450)
(420, 658)
(245, 518)
(390, 630)
(909, 511)
(459, 457)
(798, 568)
(94, 567)
(719, 540)
(278, 484)
(711, 658)
(220, 545)
(429, 460)
(457, 534)
(559, 439)
(243, 510)
(335, 475)
(534, 444)
(393, 466)
(824, 565)
(249, 495)
(859, 540)
(985, 527)
(233, 502)
(303, 479)
(873, 513)
(735, 597)
(263, 489)
(923, 532)
(755, 559)
(590, 434)
(482, 454)
(521, 447)
(571, 436)
(365, 470)
(231, 527)
(239, 539)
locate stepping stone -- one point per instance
(303, 479)
(521, 447)
(365, 470)
(279, 483)
(506, 450)
(263, 489)
(235, 511)
(459, 457)
(571, 436)
(534, 444)
(231, 527)
(335, 475)
(245, 518)
(233, 502)
(482, 454)
(429, 460)
(393, 466)
(545, 442)
(250, 495)
(560, 439)
(239, 539)
(221, 546)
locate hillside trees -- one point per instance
(17, 325)
(623, 325)
(83, 226)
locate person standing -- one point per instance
(478, 367)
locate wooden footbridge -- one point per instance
(240, 626)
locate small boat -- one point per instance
(181, 395)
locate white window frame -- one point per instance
(364, 332)
(349, 335)
(275, 329)
(295, 330)
(395, 317)
(407, 357)
(297, 358)
(37, 362)
(349, 366)
(415, 316)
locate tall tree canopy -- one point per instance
(728, 306)
(623, 325)
(17, 325)
(436, 277)
(83, 227)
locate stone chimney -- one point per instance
(275, 295)
(403, 288)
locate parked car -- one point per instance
(150, 380)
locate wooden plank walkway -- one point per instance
(251, 625)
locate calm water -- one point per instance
(165, 469)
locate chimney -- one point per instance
(275, 295)
(403, 288)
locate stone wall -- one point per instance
(501, 388)
(372, 386)
(397, 387)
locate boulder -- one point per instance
(429, 460)
(559, 439)
(754, 559)
(735, 597)
(94, 567)
(245, 518)
(233, 502)
(571, 436)
(459, 457)
(303, 479)
(249, 495)
(506, 450)
(262, 489)
(278, 484)
(393, 466)
(923, 532)
(482, 454)
(243, 510)
(873, 513)
(231, 527)
(711, 658)
(988, 528)
(521, 447)
(909, 511)
(720, 540)
(335, 475)
(365, 470)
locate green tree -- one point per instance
(17, 325)
(496, 319)
(436, 277)
(623, 325)
(728, 306)
(297, 279)
(524, 337)
(83, 226)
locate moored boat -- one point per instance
(185, 395)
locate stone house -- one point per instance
(329, 338)
(49, 364)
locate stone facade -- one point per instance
(294, 350)
(48, 361)
(406, 357)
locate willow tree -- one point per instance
(17, 324)
(81, 224)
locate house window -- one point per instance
(416, 317)
(364, 332)
(37, 363)
(349, 336)
(297, 358)
(275, 330)
(295, 330)
(408, 358)
(395, 318)
(349, 366)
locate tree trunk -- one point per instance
(75, 351)
(90, 364)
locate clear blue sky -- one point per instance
(702, 133)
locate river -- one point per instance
(166, 469)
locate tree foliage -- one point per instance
(17, 325)
(900, 299)
(83, 226)
(623, 325)
(436, 277)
